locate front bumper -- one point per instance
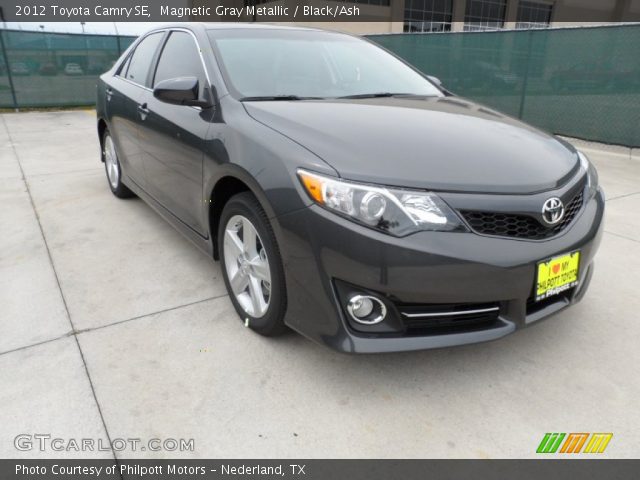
(321, 250)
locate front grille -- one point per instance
(518, 225)
(436, 319)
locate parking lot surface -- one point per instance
(113, 326)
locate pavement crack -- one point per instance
(151, 314)
(622, 196)
(37, 344)
(622, 236)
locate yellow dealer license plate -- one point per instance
(557, 275)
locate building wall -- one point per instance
(565, 13)
(355, 28)
(596, 11)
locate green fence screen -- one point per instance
(580, 82)
(51, 69)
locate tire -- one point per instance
(254, 266)
(112, 167)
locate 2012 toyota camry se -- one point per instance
(347, 195)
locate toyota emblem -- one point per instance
(553, 211)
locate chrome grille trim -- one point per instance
(450, 314)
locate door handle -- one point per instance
(143, 111)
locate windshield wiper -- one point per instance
(273, 98)
(377, 95)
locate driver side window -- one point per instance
(180, 57)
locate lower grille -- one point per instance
(518, 225)
(448, 318)
(533, 306)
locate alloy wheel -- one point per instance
(111, 162)
(247, 266)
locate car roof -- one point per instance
(255, 26)
(235, 26)
(252, 25)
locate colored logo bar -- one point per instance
(574, 443)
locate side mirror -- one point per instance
(435, 80)
(180, 91)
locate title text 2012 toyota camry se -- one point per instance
(348, 196)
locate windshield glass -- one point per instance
(268, 63)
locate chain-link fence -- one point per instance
(580, 82)
(39, 69)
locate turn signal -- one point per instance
(313, 185)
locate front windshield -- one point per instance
(273, 63)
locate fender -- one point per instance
(239, 173)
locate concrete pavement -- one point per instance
(116, 327)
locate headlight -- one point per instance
(398, 212)
(592, 174)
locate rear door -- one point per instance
(173, 136)
(123, 98)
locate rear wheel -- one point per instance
(112, 167)
(251, 265)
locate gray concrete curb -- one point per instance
(618, 150)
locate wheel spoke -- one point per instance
(233, 243)
(261, 270)
(257, 297)
(249, 236)
(239, 282)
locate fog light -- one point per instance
(366, 309)
(361, 307)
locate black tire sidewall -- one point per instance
(245, 204)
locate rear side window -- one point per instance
(123, 69)
(180, 58)
(141, 59)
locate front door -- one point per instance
(173, 136)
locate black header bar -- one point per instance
(583, 469)
(270, 11)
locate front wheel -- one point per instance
(112, 167)
(251, 265)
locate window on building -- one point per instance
(427, 15)
(534, 14)
(250, 3)
(385, 3)
(484, 15)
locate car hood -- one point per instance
(438, 143)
